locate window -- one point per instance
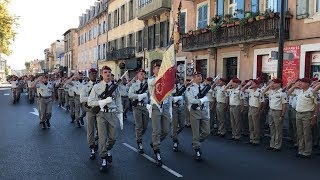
(139, 41)
(122, 14)
(104, 27)
(104, 51)
(78, 40)
(123, 43)
(130, 40)
(115, 44)
(255, 6)
(317, 6)
(220, 7)
(232, 7)
(142, 3)
(131, 10)
(182, 23)
(202, 16)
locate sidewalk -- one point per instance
(4, 84)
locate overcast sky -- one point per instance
(41, 23)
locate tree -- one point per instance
(7, 22)
(6, 71)
(27, 64)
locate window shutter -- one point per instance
(157, 34)
(182, 22)
(145, 37)
(200, 18)
(133, 40)
(302, 9)
(254, 5)
(220, 7)
(285, 5)
(205, 16)
(124, 42)
(240, 7)
(137, 42)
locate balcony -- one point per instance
(258, 31)
(152, 7)
(124, 53)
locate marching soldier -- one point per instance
(139, 96)
(178, 112)
(91, 117)
(124, 90)
(234, 103)
(315, 128)
(306, 116)
(188, 125)
(277, 104)
(66, 94)
(199, 112)
(160, 116)
(45, 90)
(221, 100)
(59, 85)
(69, 85)
(15, 89)
(31, 91)
(256, 99)
(110, 111)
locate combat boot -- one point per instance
(140, 148)
(158, 158)
(175, 146)
(109, 156)
(72, 119)
(81, 121)
(78, 124)
(198, 154)
(92, 153)
(104, 164)
(43, 125)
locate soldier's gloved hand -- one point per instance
(177, 98)
(103, 102)
(142, 96)
(109, 100)
(204, 99)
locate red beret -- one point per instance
(141, 70)
(106, 68)
(236, 80)
(246, 81)
(277, 80)
(210, 79)
(256, 81)
(93, 70)
(80, 72)
(197, 73)
(224, 80)
(306, 80)
(314, 79)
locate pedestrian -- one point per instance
(110, 111)
(45, 89)
(161, 115)
(138, 93)
(91, 117)
(277, 103)
(197, 95)
(15, 94)
(306, 116)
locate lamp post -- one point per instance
(281, 41)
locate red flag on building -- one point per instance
(167, 72)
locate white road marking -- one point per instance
(154, 161)
(63, 108)
(6, 94)
(35, 112)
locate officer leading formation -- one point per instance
(215, 106)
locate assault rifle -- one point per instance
(108, 93)
(142, 90)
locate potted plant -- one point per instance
(256, 16)
(216, 19)
(215, 28)
(227, 17)
(223, 24)
(263, 16)
(236, 21)
(244, 21)
(288, 15)
(247, 14)
(271, 14)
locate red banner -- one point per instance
(166, 76)
(291, 67)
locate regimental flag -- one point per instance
(167, 72)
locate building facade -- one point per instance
(157, 30)
(92, 37)
(236, 38)
(3, 63)
(123, 46)
(70, 51)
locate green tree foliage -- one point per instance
(7, 23)
(6, 71)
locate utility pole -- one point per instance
(281, 41)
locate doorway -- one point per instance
(202, 66)
(231, 66)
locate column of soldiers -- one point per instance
(107, 101)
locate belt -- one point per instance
(221, 103)
(304, 112)
(47, 97)
(77, 95)
(140, 104)
(108, 110)
(274, 110)
(234, 105)
(124, 96)
(70, 96)
(175, 105)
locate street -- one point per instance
(61, 152)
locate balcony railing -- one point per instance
(147, 9)
(262, 30)
(124, 53)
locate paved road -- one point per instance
(28, 152)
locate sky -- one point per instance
(42, 22)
